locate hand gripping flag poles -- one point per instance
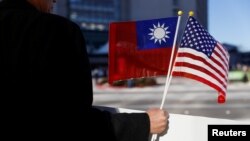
(169, 76)
(143, 49)
(199, 57)
(147, 48)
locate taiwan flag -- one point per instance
(140, 48)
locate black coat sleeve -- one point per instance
(131, 126)
(122, 126)
(51, 87)
(67, 68)
(47, 82)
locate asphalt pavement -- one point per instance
(184, 96)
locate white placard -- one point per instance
(184, 127)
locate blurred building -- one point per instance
(245, 58)
(62, 8)
(94, 16)
(148, 9)
(236, 57)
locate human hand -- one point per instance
(158, 120)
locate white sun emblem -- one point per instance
(159, 33)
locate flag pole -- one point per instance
(169, 75)
(168, 79)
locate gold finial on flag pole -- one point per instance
(191, 13)
(180, 13)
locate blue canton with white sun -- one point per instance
(156, 33)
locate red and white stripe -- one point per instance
(196, 65)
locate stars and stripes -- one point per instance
(202, 58)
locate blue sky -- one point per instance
(229, 22)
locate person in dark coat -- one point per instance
(46, 84)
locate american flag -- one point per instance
(202, 58)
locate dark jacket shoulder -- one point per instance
(58, 22)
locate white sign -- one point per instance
(184, 127)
